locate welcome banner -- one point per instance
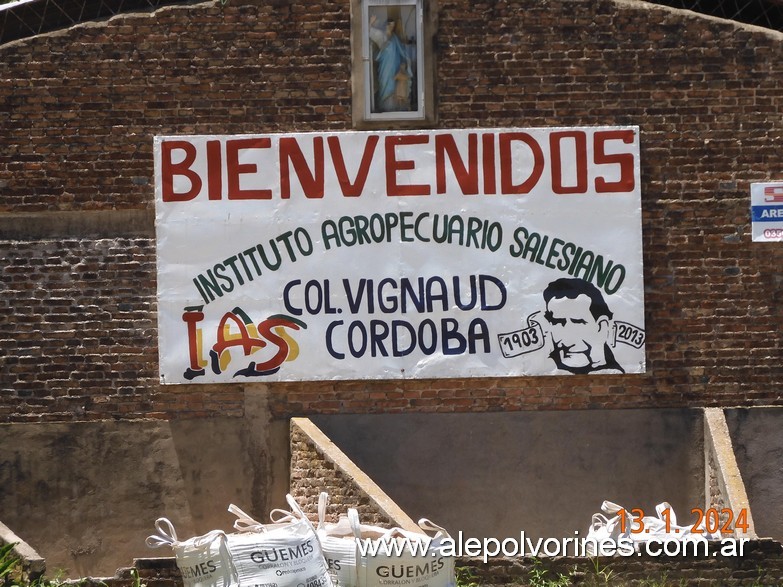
(379, 255)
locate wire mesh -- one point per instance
(763, 13)
(25, 18)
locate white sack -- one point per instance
(286, 553)
(204, 561)
(400, 558)
(339, 546)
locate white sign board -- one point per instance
(766, 211)
(416, 254)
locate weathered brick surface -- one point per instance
(311, 473)
(80, 335)
(79, 108)
(761, 566)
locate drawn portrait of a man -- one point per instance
(580, 324)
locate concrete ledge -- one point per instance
(724, 487)
(366, 489)
(33, 564)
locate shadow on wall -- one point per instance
(544, 473)
(86, 495)
(757, 437)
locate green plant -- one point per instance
(537, 577)
(662, 581)
(136, 579)
(601, 575)
(466, 577)
(759, 582)
(8, 562)
(12, 573)
(648, 582)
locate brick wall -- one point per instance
(79, 338)
(317, 466)
(79, 108)
(762, 564)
